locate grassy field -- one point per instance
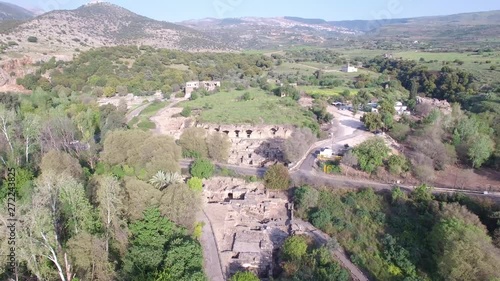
(228, 108)
(311, 90)
(477, 64)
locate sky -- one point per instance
(179, 10)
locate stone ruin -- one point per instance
(442, 105)
(255, 146)
(256, 224)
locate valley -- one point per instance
(248, 148)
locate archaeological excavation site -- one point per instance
(249, 223)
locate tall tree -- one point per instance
(218, 147)
(111, 210)
(277, 177)
(31, 125)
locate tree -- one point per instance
(298, 144)
(163, 179)
(218, 147)
(180, 204)
(373, 121)
(397, 164)
(422, 193)
(202, 168)
(397, 195)
(294, 248)
(31, 125)
(244, 276)
(7, 120)
(111, 211)
(32, 39)
(58, 204)
(371, 154)
(61, 163)
(146, 153)
(193, 143)
(196, 184)
(277, 177)
(186, 111)
(480, 150)
(400, 131)
(150, 237)
(461, 246)
(306, 197)
(89, 257)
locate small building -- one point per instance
(349, 69)
(400, 108)
(207, 85)
(326, 153)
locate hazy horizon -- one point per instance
(321, 9)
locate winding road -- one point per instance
(303, 172)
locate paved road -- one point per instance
(136, 111)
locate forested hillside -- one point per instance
(143, 70)
(83, 190)
(417, 237)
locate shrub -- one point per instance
(195, 184)
(244, 276)
(32, 39)
(277, 177)
(371, 154)
(202, 168)
(186, 112)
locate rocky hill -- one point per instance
(10, 11)
(444, 31)
(104, 24)
(255, 32)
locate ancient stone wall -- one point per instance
(251, 132)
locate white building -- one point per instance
(349, 69)
(326, 153)
(401, 109)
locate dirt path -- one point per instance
(212, 263)
(136, 112)
(164, 120)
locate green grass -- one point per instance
(146, 125)
(226, 108)
(477, 64)
(153, 108)
(310, 90)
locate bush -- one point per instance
(397, 164)
(294, 248)
(246, 97)
(202, 168)
(244, 276)
(186, 112)
(32, 39)
(277, 177)
(195, 184)
(371, 154)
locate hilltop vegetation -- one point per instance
(144, 70)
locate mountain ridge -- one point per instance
(9, 11)
(105, 24)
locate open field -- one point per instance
(311, 90)
(227, 108)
